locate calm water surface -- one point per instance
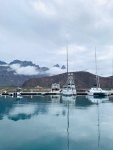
(56, 123)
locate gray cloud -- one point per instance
(37, 30)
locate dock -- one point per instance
(37, 93)
(29, 93)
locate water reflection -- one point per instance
(97, 99)
(68, 126)
(98, 125)
(68, 100)
(65, 122)
(21, 108)
(82, 102)
(21, 112)
(55, 98)
(5, 106)
(27, 107)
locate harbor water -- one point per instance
(56, 123)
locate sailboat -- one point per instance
(69, 89)
(96, 90)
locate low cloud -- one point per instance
(55, 71)
(29, 70)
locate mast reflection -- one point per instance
(68, 124)
(68, 100)
(98, 101)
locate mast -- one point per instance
(97, 77)
(112, 76)
(67, 57)
(67, 64)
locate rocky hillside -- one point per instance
(8, 77)
(83, 80)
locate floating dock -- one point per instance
(38, 93)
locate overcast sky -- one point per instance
(37, 30)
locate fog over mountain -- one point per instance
(28, 68)
(17, 72)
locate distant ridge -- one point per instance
(57, 65)
(22, 63)
(83, 80)
(2, 63)
(63, 67)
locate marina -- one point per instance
(56, 75)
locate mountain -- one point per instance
(63, 67)
(2, 63)
(28, 74)
(16, 76)
(22, 63)
(8, 77)
(57, 65)
(83, 80)
(17, 72)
